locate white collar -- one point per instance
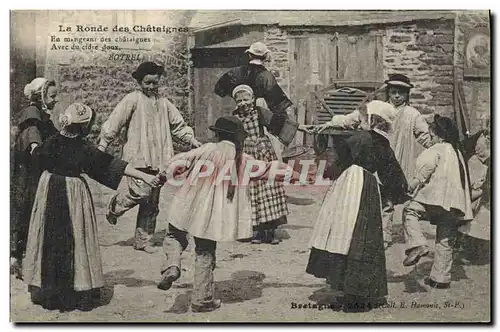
(381, 132)
(65, 133)
(257, 62)
(227, 142)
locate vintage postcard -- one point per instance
(250, 166)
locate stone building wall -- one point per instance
(421, 50)
(101, 77)
(477, 90)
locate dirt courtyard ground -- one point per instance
(257, 283)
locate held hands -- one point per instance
(306, 128)
(412, 186)
(310, 179)
(319, 128)
(155, 181)
(313, 129)
(296, 178)
(195, 143)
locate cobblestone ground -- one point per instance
(257, 283)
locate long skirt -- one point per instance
(347, 246)
(25, 179)
(268, 201)
(479, 227)
(63, 250)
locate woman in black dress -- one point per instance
(63, 260)
(347, 246)
(34, 127)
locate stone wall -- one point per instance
(424, 52)
(421, 50)
(276, 40)
(477, 90)
(101, 77)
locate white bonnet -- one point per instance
(242, 87)
(385, 110)
(34, 86)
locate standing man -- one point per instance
(267, 93)
(410, 132)
(151, 121)
(272, 109)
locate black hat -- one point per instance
(446, 129)
(399, 80)
(147, 68)
(230, 125)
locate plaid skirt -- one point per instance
(267, 200)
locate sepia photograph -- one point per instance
(250, 166)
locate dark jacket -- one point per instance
(34, 126)
(373, 152)
(264, 86)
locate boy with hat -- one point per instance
(410, 132)
(213, 208)
(151, 121)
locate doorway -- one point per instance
(209, 65)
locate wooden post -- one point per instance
(314, 84)
(301, 118)
(190, 73)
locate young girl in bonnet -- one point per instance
(62, 255)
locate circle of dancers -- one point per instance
(234, 188)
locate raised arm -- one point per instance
(267, 87)
(351, 121)
(179, 127)
(226, 84)
(348, 121)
